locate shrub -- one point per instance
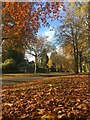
(9, 66)
(42, 70)
(22, 66)
(10, 62)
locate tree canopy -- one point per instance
(22, 19)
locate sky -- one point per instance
(45, 31)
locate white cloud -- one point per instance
(50, 35)
(59, 50)
(29, 57)
(49, 54)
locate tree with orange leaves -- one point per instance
(22, 19)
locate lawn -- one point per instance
(11, 79)
(46, 97)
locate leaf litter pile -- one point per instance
(54, 98)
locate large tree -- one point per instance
(21, 20)
(89, 37)
(44, 58)
(36, 46)
(74, 30)
(60, 62)
(12, 48)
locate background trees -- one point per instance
(44, 58)
(56, 60)
(12, 48)
(21, 22)
(74, 33)
(39, 47)
(60, 62)
(50, 64)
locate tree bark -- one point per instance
(35, 70)
(76, 55)
(80, 55)
(89, 41)
(76, 62)
(75, 58)
(89, 30)
(89, 24)
(75, 50)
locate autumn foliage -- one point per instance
(22, 19)
(64, 98)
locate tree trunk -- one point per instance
(89, 24)
(75, 60)
(35, 70)
(80, 55)
(76, 64)
(89, 41)
(75, 48)
(89, 30)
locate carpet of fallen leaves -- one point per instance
(64, 98)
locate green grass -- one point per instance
(11, 79)
(14, 79)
